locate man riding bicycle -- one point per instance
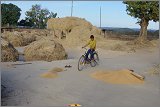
(92, 45)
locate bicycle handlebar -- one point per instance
(84, 48)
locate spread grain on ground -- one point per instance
(117, 77)
(49, 75)
(52, 73)
(57, 69)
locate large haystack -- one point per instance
(67, 23)
(8, 52)
(27, 37)
(45, 49)
(75, 30)
(40, 33)
(19, 38)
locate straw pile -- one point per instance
(75, 30)
(45, 49)
(8, 52)
(40, 33)
(28, 37)
(15, 38)
(117, 77)
(67, 23)
(18, 38)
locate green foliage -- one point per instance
(52, 15)
(10, 14)
(38, 16)
(25, 23)
(149, 10)
(144, 11)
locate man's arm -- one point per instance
(85, 45)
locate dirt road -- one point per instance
(25, 87)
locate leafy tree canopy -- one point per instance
(144, 11)
(149, 10)
(10, 14)
(39, 16)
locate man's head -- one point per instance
(92, 37)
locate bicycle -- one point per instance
(93, 62)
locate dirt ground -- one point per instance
(24, 86)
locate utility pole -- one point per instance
(100, 21)
(72, 8)
(100, 16)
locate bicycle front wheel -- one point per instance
(81, 63)
(96, 58)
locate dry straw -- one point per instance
(19, 38)
(8, 52)
(45, 49)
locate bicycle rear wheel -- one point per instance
(81, 63)
(93, 63)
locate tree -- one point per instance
(21, 22)
(10, 14)
(39, 16)
(25, 23)
(144, 11)
(52, 15)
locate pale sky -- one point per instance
(113, 13)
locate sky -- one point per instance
(113, 13)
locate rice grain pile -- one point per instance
(57, 69)
(117, 77)
(49, 75)
(53, 73)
